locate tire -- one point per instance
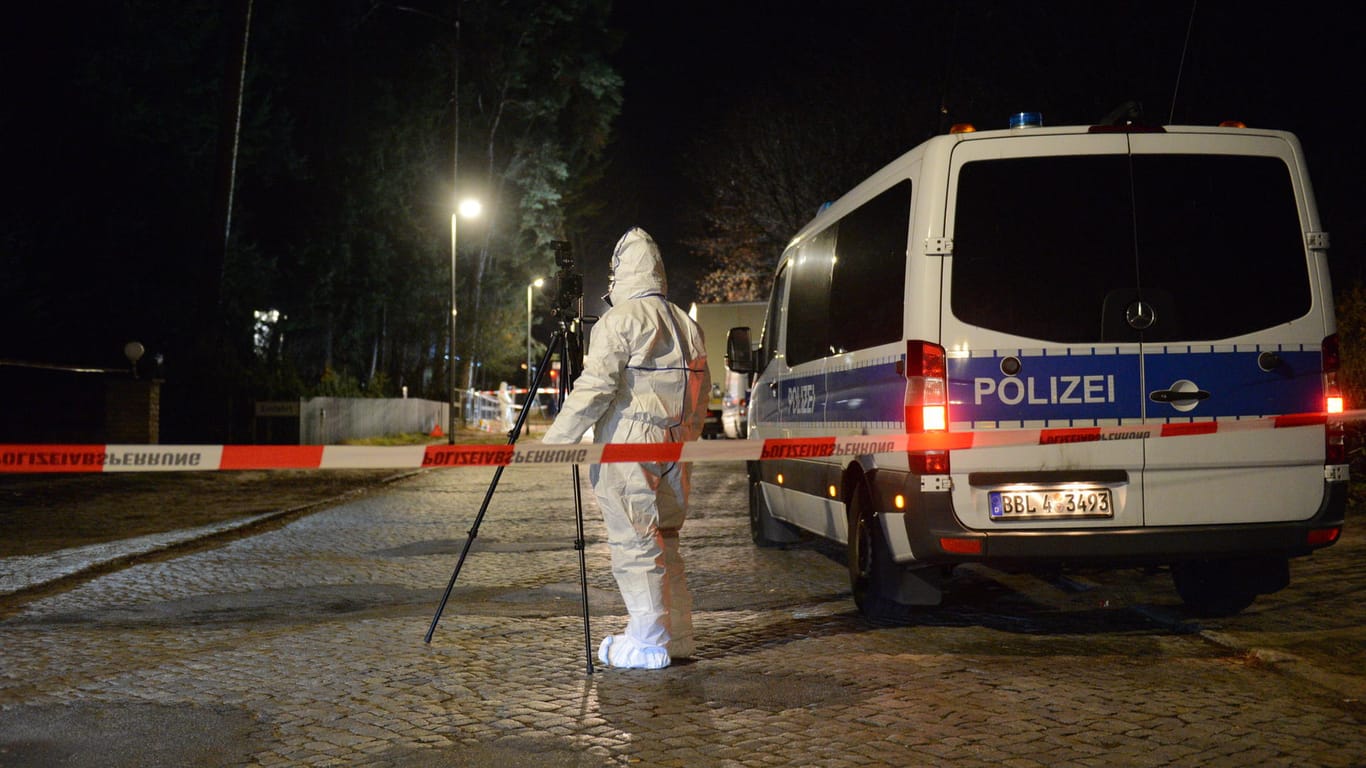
(873, 576)
(1215, 588)
(764, 529)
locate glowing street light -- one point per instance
(469, 209)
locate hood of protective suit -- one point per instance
(637, 268)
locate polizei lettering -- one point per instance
(551, 456)
(29, 458)
(798, 450)
(502, 455)
(52, 458)
(153, 459)
(801, 399)
(863, 448)
(822, 450)
(1053, 390)
(1091, 436)
(465, 457)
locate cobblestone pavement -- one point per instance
(304, 646)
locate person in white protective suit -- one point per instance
(644, 380)
(507, 404)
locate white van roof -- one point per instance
(899, 168)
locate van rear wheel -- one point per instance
(1226, 587)
(873, 576)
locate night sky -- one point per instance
(1291, 66)
(688, 66)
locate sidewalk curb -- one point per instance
(1352, 688)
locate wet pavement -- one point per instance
(303, 645)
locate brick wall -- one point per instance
(132, 411)
(48, 405)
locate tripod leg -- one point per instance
(513, 434)
(583, 571)
(474, 531)
(571, 358)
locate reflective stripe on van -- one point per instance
(1102, 385)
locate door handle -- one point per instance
(1176, 395)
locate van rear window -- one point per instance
(1056, 248)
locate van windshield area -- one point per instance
(1057, 248)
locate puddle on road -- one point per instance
(456, 546)
(330, 601)
(688, 686)
(321, 602)
(106, 735)
(512, 750)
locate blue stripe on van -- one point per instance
(870, 393)
(1077, 388)
(1237, 385)
(1085, 387)
(875, 393)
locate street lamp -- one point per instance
(537, 283)
(469, 209)
(133, 350)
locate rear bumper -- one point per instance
(930, 520)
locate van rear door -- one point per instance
(1236, 326)
(1040, 226)
(1111, 280)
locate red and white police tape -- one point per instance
(188, 458)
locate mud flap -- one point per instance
(920, 585)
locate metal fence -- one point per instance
(485, 411)
(333, 420)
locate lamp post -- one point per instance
(537, 283)
(469, 209)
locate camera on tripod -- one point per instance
(568, 282)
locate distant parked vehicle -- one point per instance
(711, 428)
(735, 406)
(715, 320)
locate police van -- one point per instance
(1131, 326)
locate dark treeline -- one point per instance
(737, 120)
(847, 92)
(334, 276)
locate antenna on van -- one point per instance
(948, 73)
(1190, 25)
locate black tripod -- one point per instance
(566, 340)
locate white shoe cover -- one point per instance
(621, 651)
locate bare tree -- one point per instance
(775, 162)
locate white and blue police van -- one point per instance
(1131, 326)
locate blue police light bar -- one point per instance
(1026, 120)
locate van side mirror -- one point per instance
(739, 353)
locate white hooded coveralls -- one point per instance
(644, 380)
(507, 403)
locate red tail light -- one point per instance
(1336, 433)
(926, 402)
(1323, 536)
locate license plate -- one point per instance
(1051, 503)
